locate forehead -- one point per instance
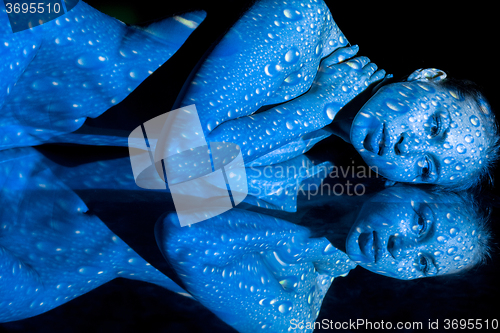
(453, 240)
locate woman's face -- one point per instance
(407, 234)
(420, 132)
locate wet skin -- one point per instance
(253, 271)
(52, 249)
(420, 132)
(56, 75)
(406, 233)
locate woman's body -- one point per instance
(58, 74)
(272, 55)
(233, 80)
(52, 249)
(258, 272)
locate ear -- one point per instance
(427, 74)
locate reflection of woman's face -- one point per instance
(420, 132)
(412, 237)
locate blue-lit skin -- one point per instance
(57, 74)
(272, 55)
(274, 187)
(253, 271)
(52, 249)
(277, 186)
(420, 132)
(406, 233)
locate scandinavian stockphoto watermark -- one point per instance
(171, 152)
(317, 182)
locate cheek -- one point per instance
(394, 167)
(402, 270)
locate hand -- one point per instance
(253, 271)
(340, 80)
(337, 83)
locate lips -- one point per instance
(369, 244)
(375, 141)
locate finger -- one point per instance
(377, 76)
(369, 69)
(358, 62)
(340, 55)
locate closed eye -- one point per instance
(438, 125)
(428, 169)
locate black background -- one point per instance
(460, 39)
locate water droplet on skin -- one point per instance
(293, 78)
(394, 105)
(469, 138)
(454, 231)
(329, 249)
(87, 270)
(289, 125)
(441, 239)
(91, 61)
(310, 297)
(474, 121)
(293, 15)
(318, 49)
(134, 74)
(478, 133)
(211, 125)
(46, 84)
(289, 283)
(292, 56)
(49, 247)
(134, 261)
(461, 148)
(459, 167)
(264, 302)
(272, 69)
(285, 307)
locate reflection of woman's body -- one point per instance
(52, 248)
(274, 272)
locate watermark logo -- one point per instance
(171, 152)
(26, 14)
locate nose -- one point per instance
(398, 247)
(408, 143)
